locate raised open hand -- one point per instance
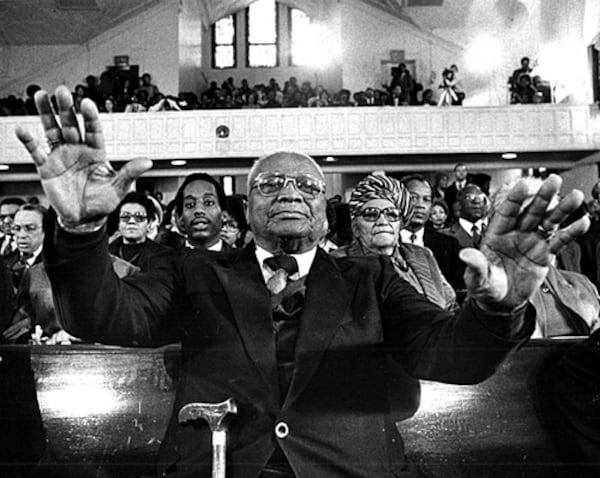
(520, 243)
(78, 180)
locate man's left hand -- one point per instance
(519, 245)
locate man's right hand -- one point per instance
(79, 182)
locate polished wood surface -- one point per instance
(105, 410)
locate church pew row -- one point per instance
(96, 411)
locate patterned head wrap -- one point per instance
(380, 186)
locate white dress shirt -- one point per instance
(216, 247)
(304, 261)
(468, 225)
(405, 236)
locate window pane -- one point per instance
(262, 25)
(300, 37)
(224, 31)
(224, 56)
(262, 55)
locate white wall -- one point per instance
(150, 39)
(554, 34)
(368, 35)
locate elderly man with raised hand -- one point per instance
(297, 337)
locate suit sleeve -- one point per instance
(94, 304)
(7, 296)
(465, 347)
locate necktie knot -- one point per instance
(283, 261)
(413, 238)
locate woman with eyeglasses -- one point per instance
(234, 228)
(380, 206)
(135, 215)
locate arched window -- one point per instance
(223, 36)
(261, 34)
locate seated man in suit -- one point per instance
(28, 229)
(8, 208)
(445, 248)
(297, 337)
(460, 181)
(471, 224)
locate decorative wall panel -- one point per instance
(335, 131)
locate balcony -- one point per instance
(558, 136)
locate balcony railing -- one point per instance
(334, 131)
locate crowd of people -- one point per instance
(429, 222)
(525, 88)
(289, 302)
(113, 94)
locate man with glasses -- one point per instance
(472, 223)
(297, 337)
(135, 214)
(28, 231)
(8, 208)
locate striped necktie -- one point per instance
(284, 266)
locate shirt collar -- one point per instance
(419, 241)
(217, 246)
(36, 253)
(304, 261)
(468, 225)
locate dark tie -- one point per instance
(19, 268)
(283, 267)
(413, 238)
(476, 236)
(287, 300)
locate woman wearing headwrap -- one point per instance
(380, 206)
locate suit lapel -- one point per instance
(418, 262)
(324, 307)
(251, 306)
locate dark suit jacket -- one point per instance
(12, 259)
(144, 261)
(450, 195)
(462, 236)
(7, 296)
(445, 248)
(356, 311)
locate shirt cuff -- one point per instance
(507, 323)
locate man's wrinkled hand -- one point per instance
(78, 180)
(519, 245)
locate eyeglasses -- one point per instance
(371, 214)
(28, 228)
(270, 184)
(474, 197)
(137, 217)
(4, 217)
(233, 225)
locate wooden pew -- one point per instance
(103, 412)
